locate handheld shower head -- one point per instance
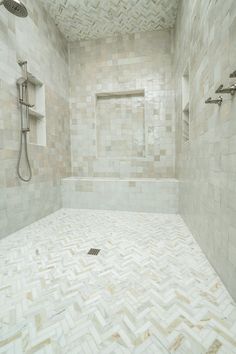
(16, 7)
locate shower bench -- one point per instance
(143, 195)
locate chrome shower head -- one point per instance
(16, 7)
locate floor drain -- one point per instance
(94, 251)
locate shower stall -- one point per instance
(117, 176)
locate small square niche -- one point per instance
(36, 93)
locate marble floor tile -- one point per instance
(149, 290)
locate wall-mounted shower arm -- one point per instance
(230, 89)
(218, 100)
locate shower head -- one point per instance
(16, 7)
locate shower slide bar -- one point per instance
(22, 84)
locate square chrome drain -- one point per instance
(94, 251)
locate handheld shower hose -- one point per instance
(23, 141)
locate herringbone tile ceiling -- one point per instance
(88, 19)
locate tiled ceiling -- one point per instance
(88, 19)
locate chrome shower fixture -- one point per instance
(218, 100)
(233, 74)
(16, 7)
(230, 89)
(22, 84)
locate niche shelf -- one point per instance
(120, 124)
(185, 105)
(36, 92)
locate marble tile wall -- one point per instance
(120, 126)
(206, 165)
(37, 40)
(123, 63)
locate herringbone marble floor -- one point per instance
(150, 289)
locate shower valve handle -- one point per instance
(230, 89)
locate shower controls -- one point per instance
(218, 100)
(221, 89)
(230, 89)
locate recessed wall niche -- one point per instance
(120, 124)
(36, 92)
(185, 105)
